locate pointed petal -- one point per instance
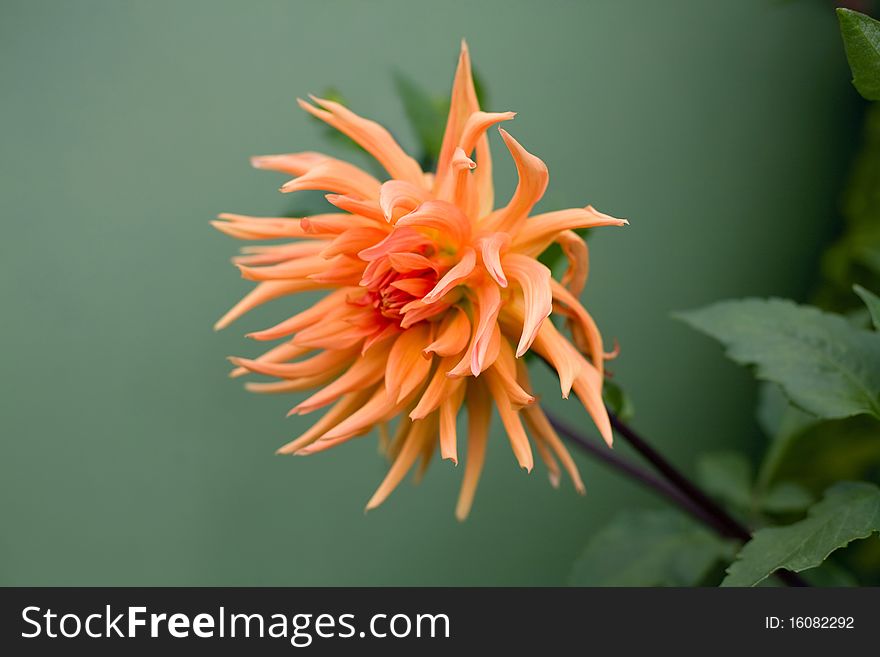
(419, 433)
(533, 177)
(491, 247)
(479, 407)
(407, 366)
(519, 442)
(400, 195)
(534, 280)
(338, 177)
(541, 428)
(343, 408)
(452, 335)
(456, 275)
(442, 216)
(263, 293)
(371, 136)
(463, 103)
(449, 407)
(538, 232)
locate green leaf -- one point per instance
(649, 548)
(617, 400)
(872, 301)
(726, 476)
(825, 365)
(426, 114)
(861, 39)
(849, 511)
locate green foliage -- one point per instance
(727, 476)
(649, 548)
(617, 400)
(427, 116)
(861, 39)
(849, 511)
(872, 301)
(825, 365)
(855, 257)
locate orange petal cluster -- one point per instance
(434, 295)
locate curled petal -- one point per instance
(584, 323)
(540, 231)
(534, 280)
(400, 240)
(452, 335)
(361, 208)
(338, 177)
(588, 388)
(562, 356)
(405, 263)
(533, 178)
(462, 104)
(407, 366)
(491, 247)
(456, 275)
(400, 195)
(477, 124)
(441, 216)
(371, 136)
(353, 240)
(578, 256)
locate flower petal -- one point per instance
(456, 275)
(419, 433)
(338, 177)
(479, 407)
(534, 280)
(533, 178)
(400, 195)
(407, 366)
(371, 136)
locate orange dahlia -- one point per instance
(435, 295)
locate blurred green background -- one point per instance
(722, 130)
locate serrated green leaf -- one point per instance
(824, 365)
(649, 548)
(872, 302)
(861, 39)
(726, 476)
(849, 511)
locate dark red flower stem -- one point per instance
(673, 485)
(633, 471)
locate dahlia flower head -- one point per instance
(434, 295)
